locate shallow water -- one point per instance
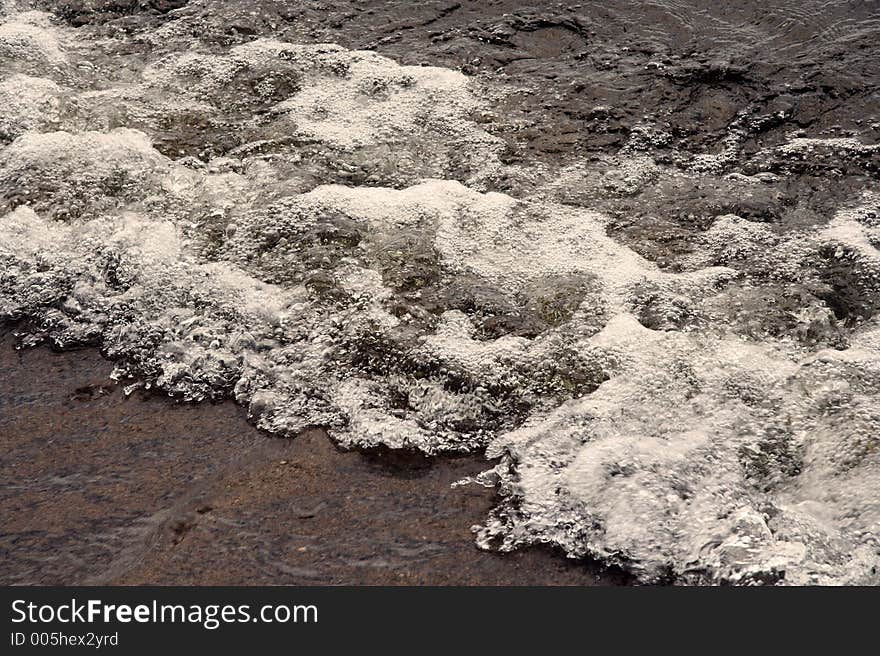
(658, 310)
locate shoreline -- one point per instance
(100, 489)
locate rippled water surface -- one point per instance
(630, 250)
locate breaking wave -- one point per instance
(321, 234)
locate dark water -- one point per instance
(630, 249)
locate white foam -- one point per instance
(654, 465)
(29, 103)
(29, 38)
(688, 451)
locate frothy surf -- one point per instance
(714, 423)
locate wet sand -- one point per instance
(99, 488)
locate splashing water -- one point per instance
(314, 232)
